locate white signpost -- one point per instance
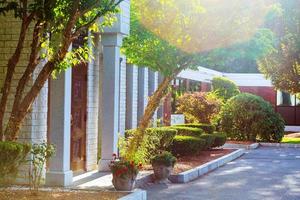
(177, 119)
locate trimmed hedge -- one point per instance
(156, 140)
(209, 140)
(207, 128)
(220, 139)
(187, 145)
(12, 155)
(188, 131)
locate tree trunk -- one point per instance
(152, 105)
(33, 62)
(12, 63)
(18, 116)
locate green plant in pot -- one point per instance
(163, 165)
(124, 173)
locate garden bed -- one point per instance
(60, 195)
(186, 163)
(240, 142)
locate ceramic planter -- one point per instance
(162, 172)
(126, 183)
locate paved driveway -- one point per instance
(262, 174)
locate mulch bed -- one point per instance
(293, 135)
(240, 142)
(57, 195)
(185, 163)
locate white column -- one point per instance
(109, 102)
(160, 110)
(59, 173)
(142, 91)
(131, 96)
(153, 83)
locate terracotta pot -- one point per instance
(124, 183)
(162, 172)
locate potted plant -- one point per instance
(124, 173)
(163, 165)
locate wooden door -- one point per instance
(78, 118)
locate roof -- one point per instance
(241, 79)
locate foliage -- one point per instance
(55, 26)
(41, 153)
(290, 140)
(12, 156)
(156, 140)
(241, 57)
(209, 140)
(124, 168)
(224, 88)
(187, 145)
(198, 107)
(282, 64)
(165, 158)
(220, 139)
(188, 131)
(246, 116)
(207, 128)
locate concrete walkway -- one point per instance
(262, 174)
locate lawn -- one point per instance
(290, 140)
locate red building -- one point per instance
(288, 106)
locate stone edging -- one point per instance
(195, 173)
(137, 194)
(241, 146)
(286, 145)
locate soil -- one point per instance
(185, 163)
(293, 135)
(240, 142)
(53, 195)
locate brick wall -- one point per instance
(93, 108)
(34, 129)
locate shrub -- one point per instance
(246, 116)
(12, 155)
(198, 107)
(187, 145)
(41, 153)
(209, 140)
(188, 131)
(165, 158)
(224, 88)
(207, 128)
(156, 140)
(220, 139)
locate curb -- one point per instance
(137, 194)
(286, 145)
(241, 146)
(195, 173)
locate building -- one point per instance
(285, 104)
(86, 107)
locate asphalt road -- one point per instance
(261, 174)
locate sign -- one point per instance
(177, 119)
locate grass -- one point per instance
(290, 140)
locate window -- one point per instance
(286, 99)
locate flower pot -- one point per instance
(162, 172)
(124, 183)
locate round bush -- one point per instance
(187, 145)
(220, 139)
(209, 140)
(198, 107)
(188, 131)
(12, 155)
(250, 117)
(224, 88)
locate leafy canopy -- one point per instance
(282, 65)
